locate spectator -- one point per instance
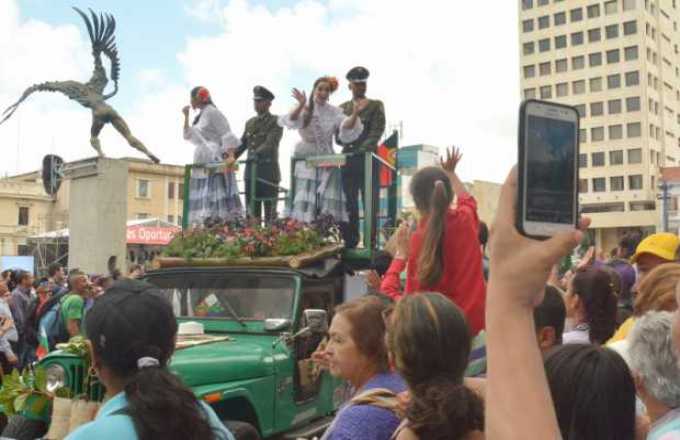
(5, 275)
(430, 345)
(653, 251)
(593, 393)
(591, 307)
(8, 332)
(136, 271)
(20, 303)
(549, 317)
(444, 253)
(656, 369)
(620, 263)
(656, 292)
(133, 337)
(483, 240)
(57, 275)
(356, 352)
(73, 303)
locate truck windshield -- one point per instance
(252, 297)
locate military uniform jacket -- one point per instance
(373, 119)
(261, 138)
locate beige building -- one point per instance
(617, 61)
(154, 191)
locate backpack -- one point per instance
(51, 325)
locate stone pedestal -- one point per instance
(98, 214)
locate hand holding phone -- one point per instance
(547, 169)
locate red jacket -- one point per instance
(462, 280)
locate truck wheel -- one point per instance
(242, 430)
(21, 428)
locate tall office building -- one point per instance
(617, 62)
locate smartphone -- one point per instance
(547, 169)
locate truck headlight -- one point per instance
(56, 377)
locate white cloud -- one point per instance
(447, 69)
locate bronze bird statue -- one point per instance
(91, 94)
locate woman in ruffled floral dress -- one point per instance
(319, 190)
(213, 193)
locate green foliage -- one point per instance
(25, 391)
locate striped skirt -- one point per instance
(328, 189)
(214, 197)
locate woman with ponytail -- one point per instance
(429, 343)
(443, 253)
(591, 307)
(213, 194)
(132, 330)
(317, 121)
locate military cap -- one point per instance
(357, 74)
(262, 94)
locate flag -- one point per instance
(387, 151)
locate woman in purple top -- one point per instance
(356, 352)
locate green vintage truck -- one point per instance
(252, 364)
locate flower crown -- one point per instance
(203, 95)
(332, 82)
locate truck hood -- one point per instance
(222, 361)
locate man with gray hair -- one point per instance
(655, 366)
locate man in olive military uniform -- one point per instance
(261, 138)
(373, 119)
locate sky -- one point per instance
(447, 71)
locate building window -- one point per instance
(578, 63)
(635, 182)
(561, 65)
(543, 2)
(529, 71)
(615, 132)
(560, 18)
(633, 129)
(629, 5)
(527, 26)
(632, 78)
(23, 250)
(616, 183)
(529, 93)
(23, 216)
(528, 48)
(633, 104)
(630, 28)
(581, 110)
(613, 81)
(597, 134)
(544, 69)
(596, 109)
(527, 4)
(576, 14)
(635, 155)
(171, 190)
(595, 59)
(611, 31)
(179, 219)
(614, 106)
(577, 38)
(171, 219)
(142, 216)
(593, 11)
(583, 185)
(543, 22)
(596, 84)
(579, 87)
(180, 191)
(616, 157)
(582, 160)
(610, 7)
(546, 92)
(544, 45)
(561, 42)
(594, 35)
(613, 56)
(599, 184)
(562, 89)
(630, 53)
(143, 190)
(583, 135)
(598, 159)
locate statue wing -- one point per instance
(71, 89)
(101, 29)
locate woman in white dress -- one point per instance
(317, 121)
(213, 193)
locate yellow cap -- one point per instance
(663, 245)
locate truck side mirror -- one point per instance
(317, 321)
(277, 325)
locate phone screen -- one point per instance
(551, 152)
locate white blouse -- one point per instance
(212, 136)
